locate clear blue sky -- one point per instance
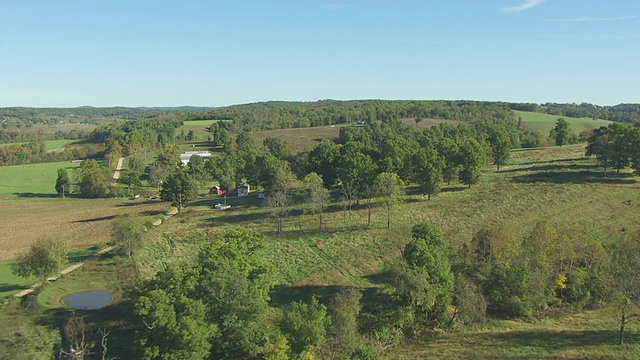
(214, 53)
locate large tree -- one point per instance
(562, 132)
(323, 160)
(63, 183)
(128, 232)
(318, 195)
(390, 188)
(501, 148)
(44, 259)
(93, 182)
(428, 167)
(424, 280)
(213, 306)
(179, 188)
(472, 158)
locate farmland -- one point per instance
(556, 184)
(543, 123)
(50, 145)
(33, 178)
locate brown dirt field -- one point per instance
(81, 222)
(299, 139)
(427, 123)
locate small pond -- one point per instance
(88, 300)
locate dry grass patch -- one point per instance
(81, 222)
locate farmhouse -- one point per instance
(184, 158)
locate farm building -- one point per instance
(184, 158)
(243, 190)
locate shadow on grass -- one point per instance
(231, 217)
(572, 160)
(574, 177)
(138, 202)
(547, 168)
(5, 288)
(558, 340)
(102, 218)
(36, 195)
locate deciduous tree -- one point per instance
(63, 183)
(390, 188)
(179, 188)
(318, 195)
(44, 259)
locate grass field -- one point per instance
(49, 144)
(427, 123)
(543, 123)
(299, 139)
(556, 184)
(33, 178)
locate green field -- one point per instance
(49, 144)
(33, 178)
(543, 123)
(200, 122)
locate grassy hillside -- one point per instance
(544, 122)
(556, 184)
(33, 178)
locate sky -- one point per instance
(67, 53)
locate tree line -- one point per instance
(627, 113)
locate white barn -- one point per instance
(184, 158)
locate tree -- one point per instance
(30, 343)
(277, 148)
(472, 157)
(128, 233)
(44, 259)
(278, 203)
(390, 188)
(93, 182)
(63, 183)
(305, 325)
(423, 281)
(428, 171)
(318, 195)
(501, 146)
(196, 167)
(451, 153)
(343, 336)
(323, 160)
(179, 188)
(562, 132)
(600, 144)
(625, 268)
(215, 303)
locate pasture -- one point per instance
(427, 123)
(299, 139)
(33, 179)
(50, 145)
(543, 123)
(555, 184)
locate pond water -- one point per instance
(88, 300)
